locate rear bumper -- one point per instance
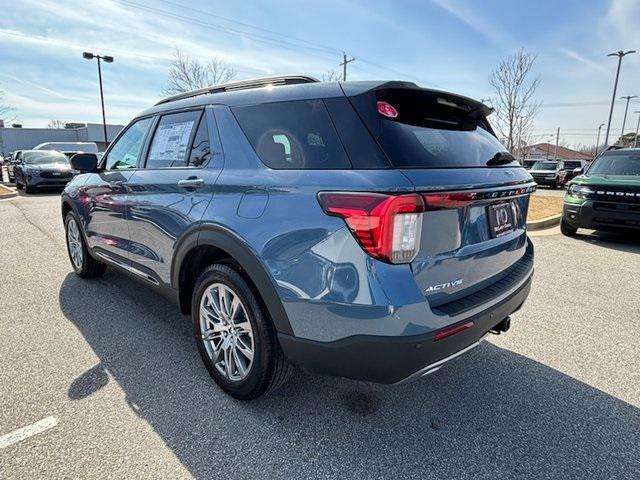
(617, 217)
(395, 359)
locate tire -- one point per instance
(567, 229)
(268, 368)
(84, 265)
(27, 188)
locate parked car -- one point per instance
(548, 172)
(333, 226)
(69, 148)
(571, 169)
(527, 164)
(38, 169)
(11, 163)
(606, 196)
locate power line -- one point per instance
(321, 50)
(284, 44)
(280, 34)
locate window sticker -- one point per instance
(170, 142)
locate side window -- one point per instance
(293, 135)
(200, 152)
(126, 151)
(170, 146)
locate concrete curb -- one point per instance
(543, 223)
(7, 193)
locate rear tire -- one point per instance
(567, 229)
(224, 338)
(84, 265)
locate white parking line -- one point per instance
(28, 431)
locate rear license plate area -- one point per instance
(501, 219)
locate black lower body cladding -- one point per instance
(393, 359)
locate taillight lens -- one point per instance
(387, 227)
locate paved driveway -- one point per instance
(106, 377)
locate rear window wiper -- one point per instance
(501, 158)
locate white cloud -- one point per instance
(476, 21)
(585, 61)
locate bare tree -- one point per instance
(56, 123)
(188, 73)
(515, 106)
(331, 76)
(4, 108)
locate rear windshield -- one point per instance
(569, 165)
(417, 129)
(616, 164)
(293, 135)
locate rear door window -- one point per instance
(293, 135)
(200, 152)
(171, 142)
(420, 129)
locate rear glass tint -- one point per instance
(417, 129)
(293, 135)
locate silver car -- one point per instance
(42, 169)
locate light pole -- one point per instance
(619, 54)
(108, 59)
(628, 97)
(635, 140)
(598, 139)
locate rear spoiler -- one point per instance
(474, 108)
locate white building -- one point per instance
(26, 138)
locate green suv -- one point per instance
(606, 196)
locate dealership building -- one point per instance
(20, 138)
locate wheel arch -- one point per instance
(207, 244)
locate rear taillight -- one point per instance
(440, 201)
(386, 226)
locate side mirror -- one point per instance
(84, 162)
(578, 171)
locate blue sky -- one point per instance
(447, 44)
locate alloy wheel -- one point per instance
(75, 244)
(226, 331)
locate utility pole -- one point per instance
(618, 54)
(108, 59)
(344, 66)
(598, 139)
(635, 140)
(628, 97)
(555, 153)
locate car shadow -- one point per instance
(491, 413)
(621, 241)
(39, 193)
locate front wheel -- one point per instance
(235, 337)
(567, 229)
(82, 262)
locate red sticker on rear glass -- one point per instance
(387, 110)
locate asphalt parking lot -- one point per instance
(114, 369)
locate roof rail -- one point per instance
(241, 85)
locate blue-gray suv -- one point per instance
(368, 230)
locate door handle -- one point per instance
(191, 182)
